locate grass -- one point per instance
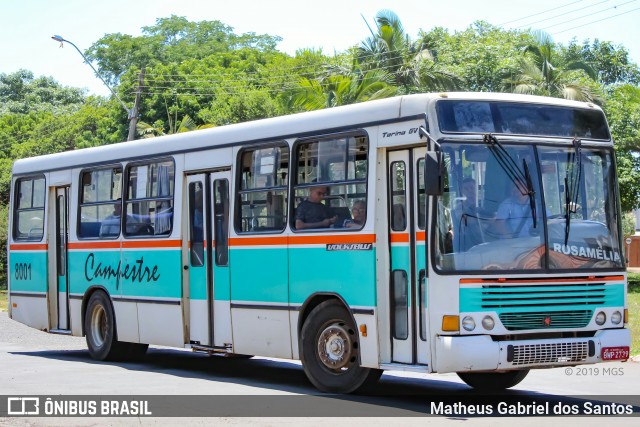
(3, 300)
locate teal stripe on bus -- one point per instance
(349, 273)
(142, 273)
(28, 271)
(509, 299)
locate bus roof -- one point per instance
(350, 116)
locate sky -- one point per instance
(26, 26)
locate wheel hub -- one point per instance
(98, 326)
(335, 347)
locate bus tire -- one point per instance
(100, 329)
(493, 380)
(329, 350)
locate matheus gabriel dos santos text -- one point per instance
(532, 408)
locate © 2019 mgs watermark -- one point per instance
(592, 371)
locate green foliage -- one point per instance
(543, 71)
(482, 56)
(611, 63)
(410, 64)
(633, 281)
(623, 112)
(21, 93)
(628, 224)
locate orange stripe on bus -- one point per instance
(95, 245)
(258, 241)
(420, 235)
(128, 244)
(548, 280)
(400, 238)
(28, 247)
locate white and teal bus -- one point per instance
(491, 242)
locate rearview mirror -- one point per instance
(433, 170)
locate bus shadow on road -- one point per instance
(393, 395)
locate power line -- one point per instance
(539, 13)
(590, 14)
(599, 20)
(563, 14)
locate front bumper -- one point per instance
(481, 353)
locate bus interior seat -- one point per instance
(342, 213)
(89, 229)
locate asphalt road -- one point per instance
(37, 363)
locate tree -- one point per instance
(542, 72)
(412, 65)
(341, 89)
(22, 93)
(623, 112)
(482, 56)
(610, 62)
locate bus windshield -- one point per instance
(528, 208)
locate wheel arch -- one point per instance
(315, 300)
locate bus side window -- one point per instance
(100, 203)
(262, 198)
(330, 172)
(29, 209)
(149, 199)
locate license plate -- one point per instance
(615, 353)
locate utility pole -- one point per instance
(133, 116)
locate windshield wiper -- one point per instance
(520, 179)
(572, 185)
(531, 192)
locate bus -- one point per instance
(488, 241)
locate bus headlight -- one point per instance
(488, 323)
(616, 317)
(468, 323)
(601, 318)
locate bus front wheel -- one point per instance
(330, 351)
(100, 329)
(493, 380)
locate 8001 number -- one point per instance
(23, 271)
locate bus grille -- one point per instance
(533, 354)
(546, 319)
(542, 306)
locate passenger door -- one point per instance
(407, 279)
(207, 259)
(61, 256)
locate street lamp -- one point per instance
(132, 114)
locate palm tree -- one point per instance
(390, 49)
(145, 130)
(541, 71)
(340, 87)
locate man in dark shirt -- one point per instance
(312, 213)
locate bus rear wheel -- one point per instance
(493, 381)
(330, 351)
(100, 329)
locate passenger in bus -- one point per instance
(110, 226)
(197, 215)
(312, 213)
(359, 215)
(514, 217)
(466, 218)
